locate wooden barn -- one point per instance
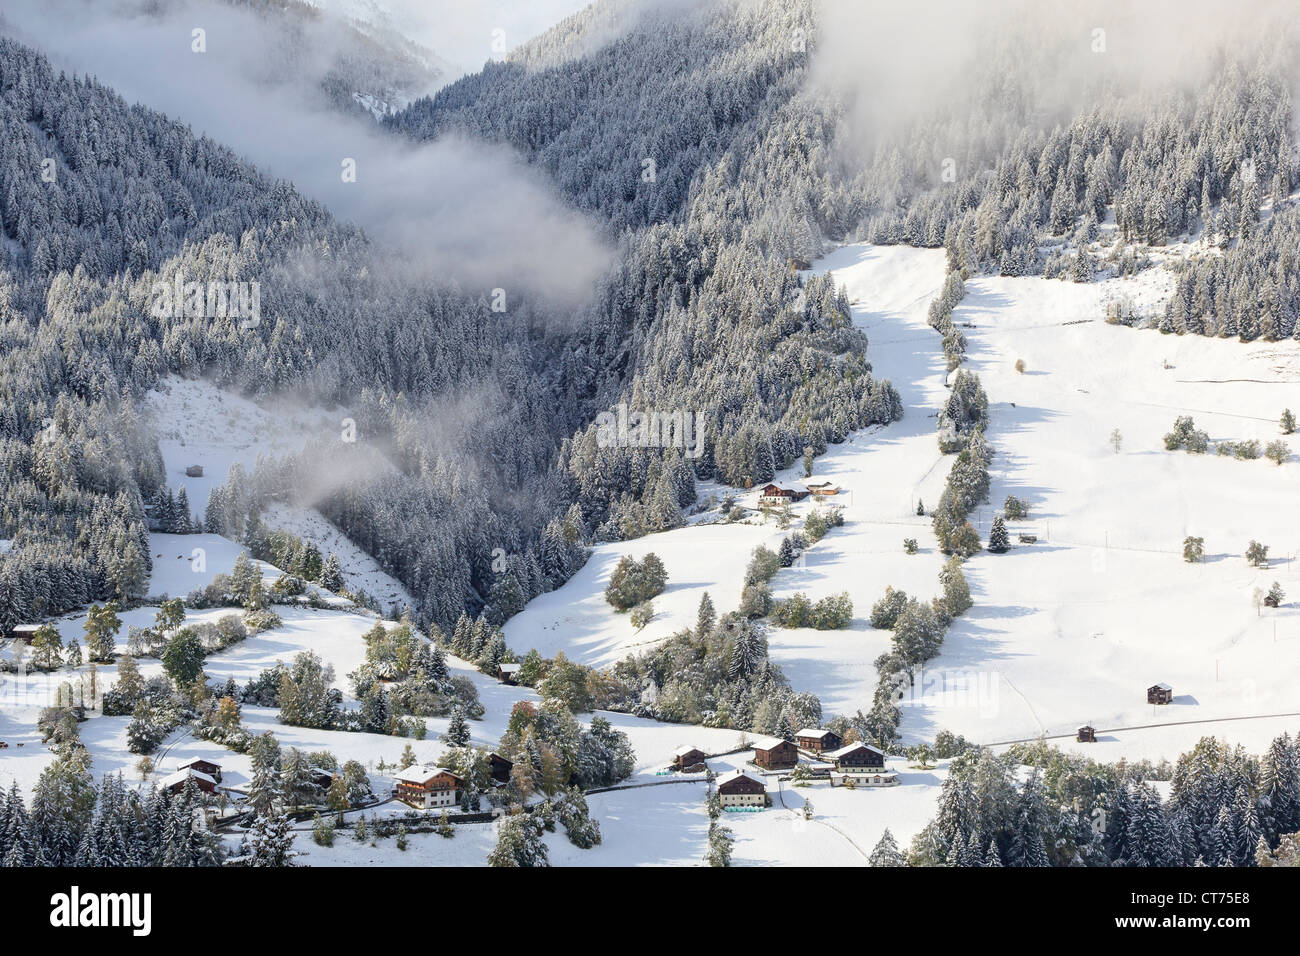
(500, 768)
(509, 673)
(194, 471)
(741, 789)
(776, 755)
(1160, 694)
(1087, 735)
(858, 758)
(689, 759)
(24, 632)
(824, 488)
(810, 738)
(428, 787)
(208, 767)
(321, 777)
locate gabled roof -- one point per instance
(683, 751)
(737, 774)
(180, 776)
(814, 732)
(768, 743)
(844, 751)
(1163, 686)
(193, 760)
(511, 668)
(422, 775)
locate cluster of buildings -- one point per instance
(852, 765)
(776, 495)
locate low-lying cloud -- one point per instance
(452, 209)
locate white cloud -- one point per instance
(454, 209)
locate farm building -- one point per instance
(776, 755)
(175, 782)
(741, 789)
(858, 758)
(194, 471)
(817, 740)
(689, 759)
(500, 768)
(509, 673)
(776, 495)
(1087, 735)
(427, 787)
(1160, 694)
(24, 632)
(1029, 539)
(208, 767)
(321, 778)
(823, 488)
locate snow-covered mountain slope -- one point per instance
(1067, 631)
(1073, 629)
(201, 424)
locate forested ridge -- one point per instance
(718, 163)
(134, 198)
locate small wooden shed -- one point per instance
(1160, 694)
(1087, 735)
(689, 759)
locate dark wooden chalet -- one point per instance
(858, 758)
(1087, 735)
(509, 673)
(24, 632)
(741, 789)
(810, 738)
(1160, 694)
(776, 755)
(212, 769)
(175, 783)
(500, 768)
(689, 758)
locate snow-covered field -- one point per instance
(200, 424)
(1070, 630)
(578, 620)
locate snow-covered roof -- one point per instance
(813, 732)
(736, 774)
(767, 743)
(510, 668)
(193, 760)
(683, 751)
(419, 774)
(852, 747)
(180, 776)
(1163, 686)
